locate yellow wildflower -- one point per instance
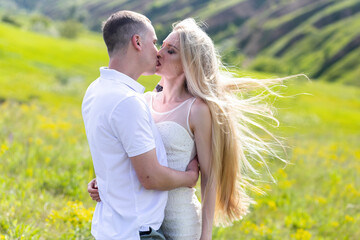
(55, 134)
(64, 125)
(262, 230)
(29, 172)
(301, 234)
(334, 224)
(272, 205)
(73, 140)
(73, 213)
(351, 191)
(25, 108)
(320, 200)
(285, 184)
(39, 141)
(357, 154)
(49, 147)
(349, 219)
(3, 148)
(282, 173)
(334, 147)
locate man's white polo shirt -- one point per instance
(119, 125)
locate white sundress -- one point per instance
(183, 209)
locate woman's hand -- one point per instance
(93, 190)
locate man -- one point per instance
(128, 155)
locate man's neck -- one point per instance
(125, 67)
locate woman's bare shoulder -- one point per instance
(200, 105)
(200, 112)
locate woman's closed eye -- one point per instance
(169, 48)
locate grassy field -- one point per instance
(45, 163)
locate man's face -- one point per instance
(149, 51)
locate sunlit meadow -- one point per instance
(45, 163)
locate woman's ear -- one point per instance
(135, 40)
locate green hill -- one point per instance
(320, 38)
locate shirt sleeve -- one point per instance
(147, 97)
(131, 123)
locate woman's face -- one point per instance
(169, 62)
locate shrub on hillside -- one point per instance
(10, 20)
(70, 29)
(41, 24)
(161, 32)
(270, 65)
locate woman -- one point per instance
(199, 112)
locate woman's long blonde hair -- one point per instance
(234, 143)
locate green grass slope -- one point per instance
(37, 66)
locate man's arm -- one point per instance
(159, 183)
(132, 124)
(154, 176)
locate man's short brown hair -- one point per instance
(119, 28)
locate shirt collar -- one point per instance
(112, 74)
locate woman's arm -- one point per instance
(200, 121)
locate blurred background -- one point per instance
(50, 51)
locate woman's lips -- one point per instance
(158, 64)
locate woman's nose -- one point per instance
(159, 53)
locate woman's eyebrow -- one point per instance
(173, 46)
(170, 45)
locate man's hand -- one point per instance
(193, 170)
(93, 190)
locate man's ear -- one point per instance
(135, 40)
